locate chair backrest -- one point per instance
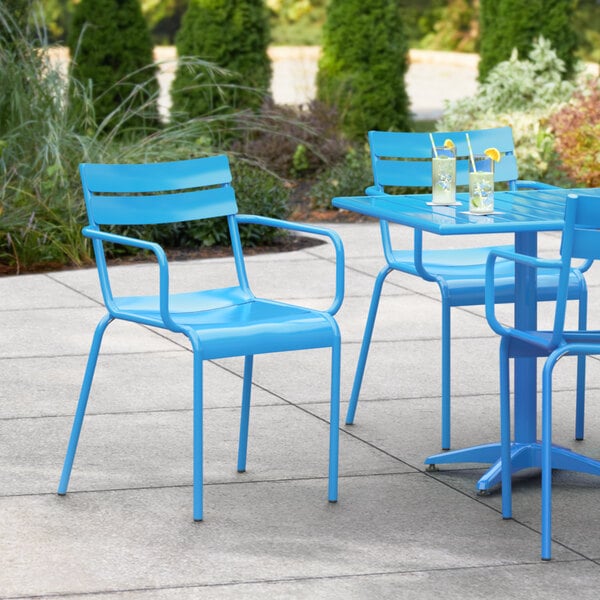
(401, 159)
(580, 240)
(152, 193)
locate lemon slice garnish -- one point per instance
(493, 153)
(450, 144)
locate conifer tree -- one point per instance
(111, 47)
(509, 24)
(233, 35)
(363, 66)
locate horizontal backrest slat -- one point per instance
(586, 231)
(404, 159)
(163, 208)
(154, 193)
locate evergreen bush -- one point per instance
(363, 66)
(233, 35)
(509, 24)
(111, 49)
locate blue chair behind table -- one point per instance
(581, 240)
(218, 322)
(404, 160)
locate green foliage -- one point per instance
(234, 35)
(297, 22)
(111, 47)
(509, 24)
(349, 177)
(521, 94)
(576, 127)
(363, 66)
(44, 137)
(455, 27)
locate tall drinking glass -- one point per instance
(481, 185)
(443, 175)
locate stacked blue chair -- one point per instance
(219, 323)
(403, 160)
(580, 240)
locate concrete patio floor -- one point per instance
(125, 530)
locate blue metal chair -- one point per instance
(403, 160)
(580, 240)
(219, 323)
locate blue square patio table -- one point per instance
(523, 213)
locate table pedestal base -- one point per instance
(524, 456)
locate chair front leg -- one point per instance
(198, 434)
(366, 342)
(84, 394)
(505, 432)
(245, 415)
(547, 456)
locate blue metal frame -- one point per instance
(218, 322)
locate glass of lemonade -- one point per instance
(443, 175)
(481, 185)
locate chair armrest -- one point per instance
(375, 190)
(490, 305)
(336, 240)
(534, 185)
(163, 266)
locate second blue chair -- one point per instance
(580, 240)
(403, 160)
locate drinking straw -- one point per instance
(433, 146)
(471, 153)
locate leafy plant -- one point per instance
(348, 177)
(576, 127)
(520, 93)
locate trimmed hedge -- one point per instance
(111, 47)
(233, 35)
(363, 66)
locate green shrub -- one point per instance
(576, 127)
(363, 66)
(521, 94)
(509, 24)
(233, 35)
(294, 142)
(348, 177)
(111, 48)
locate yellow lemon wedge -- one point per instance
(450, 144)
(493, 153)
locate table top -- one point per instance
(514, 211)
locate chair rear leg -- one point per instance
(580, 397)
(366, 342)
(245, 416)
(84, 394)
(446, 363)
(334, 421)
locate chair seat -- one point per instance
(461, 275)
(230, 322)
